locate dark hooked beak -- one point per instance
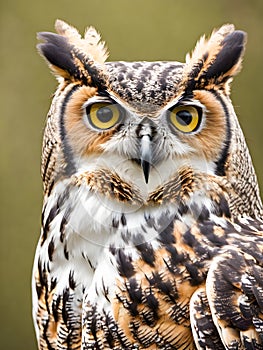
(145, 133)
(146, 156)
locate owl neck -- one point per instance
(240, 173)
(188, 191)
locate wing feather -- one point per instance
(235, 294)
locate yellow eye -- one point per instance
(185, 118)
(103, 115)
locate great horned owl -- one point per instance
(152, 220)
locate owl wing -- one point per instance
(204, 330)
(231, 305)
(57, 314)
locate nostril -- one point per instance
(146, 128)
(146, 134)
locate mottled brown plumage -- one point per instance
(152, 230)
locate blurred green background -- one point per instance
(134, 30)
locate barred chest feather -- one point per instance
(126, 270)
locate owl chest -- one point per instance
(93, 242)
(136, 265)
(82, 231)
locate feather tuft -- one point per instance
(216, 60)
(91, 44)
(212, 44)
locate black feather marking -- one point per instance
(207, 230)
(55, 210)
(112, 333)
(96, 76)
(42, 283)
(63, 224)
(50, 153)
(115, 223)
(42, 274)
(112, 249)
(125, 266)
(251, 344)
(55, 307)
(166, 287)
(65, 305)
(132, 306)
(175, 257)
(228, 56)
(66, 253)
(195, 277)
(152, 303)
(221, 162)
(183, 209)
(191, 84)
(231, 51)
(67, 150)
(139, 86)
(145, 249)
(224, 207)
(60, 53)
(57, 51)
(203, 215)
(111, 327)
(51, 249)
(72, 282)
(166, 236)
(53, 283)
(134, 290)
(62, 198)
(123, 220)
(190, 239)
(50, 188)
(51, 216)
(150, 221)
(93, 324)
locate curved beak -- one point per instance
(146, 155)
(145, 132)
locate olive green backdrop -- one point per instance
(134, 30)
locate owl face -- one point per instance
(143, 122)
(141, 138)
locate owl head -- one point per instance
(144, 121)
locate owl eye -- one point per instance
(103, 115)
(185, 118)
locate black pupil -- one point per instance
(104, 114)
(184, 117)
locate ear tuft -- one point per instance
(70, 56)
(62, 28)
(57, 52)
(211, 44)
(91, 44)
(215, 61)
(229, 58)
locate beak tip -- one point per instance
(146, 170)
(146, 155)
